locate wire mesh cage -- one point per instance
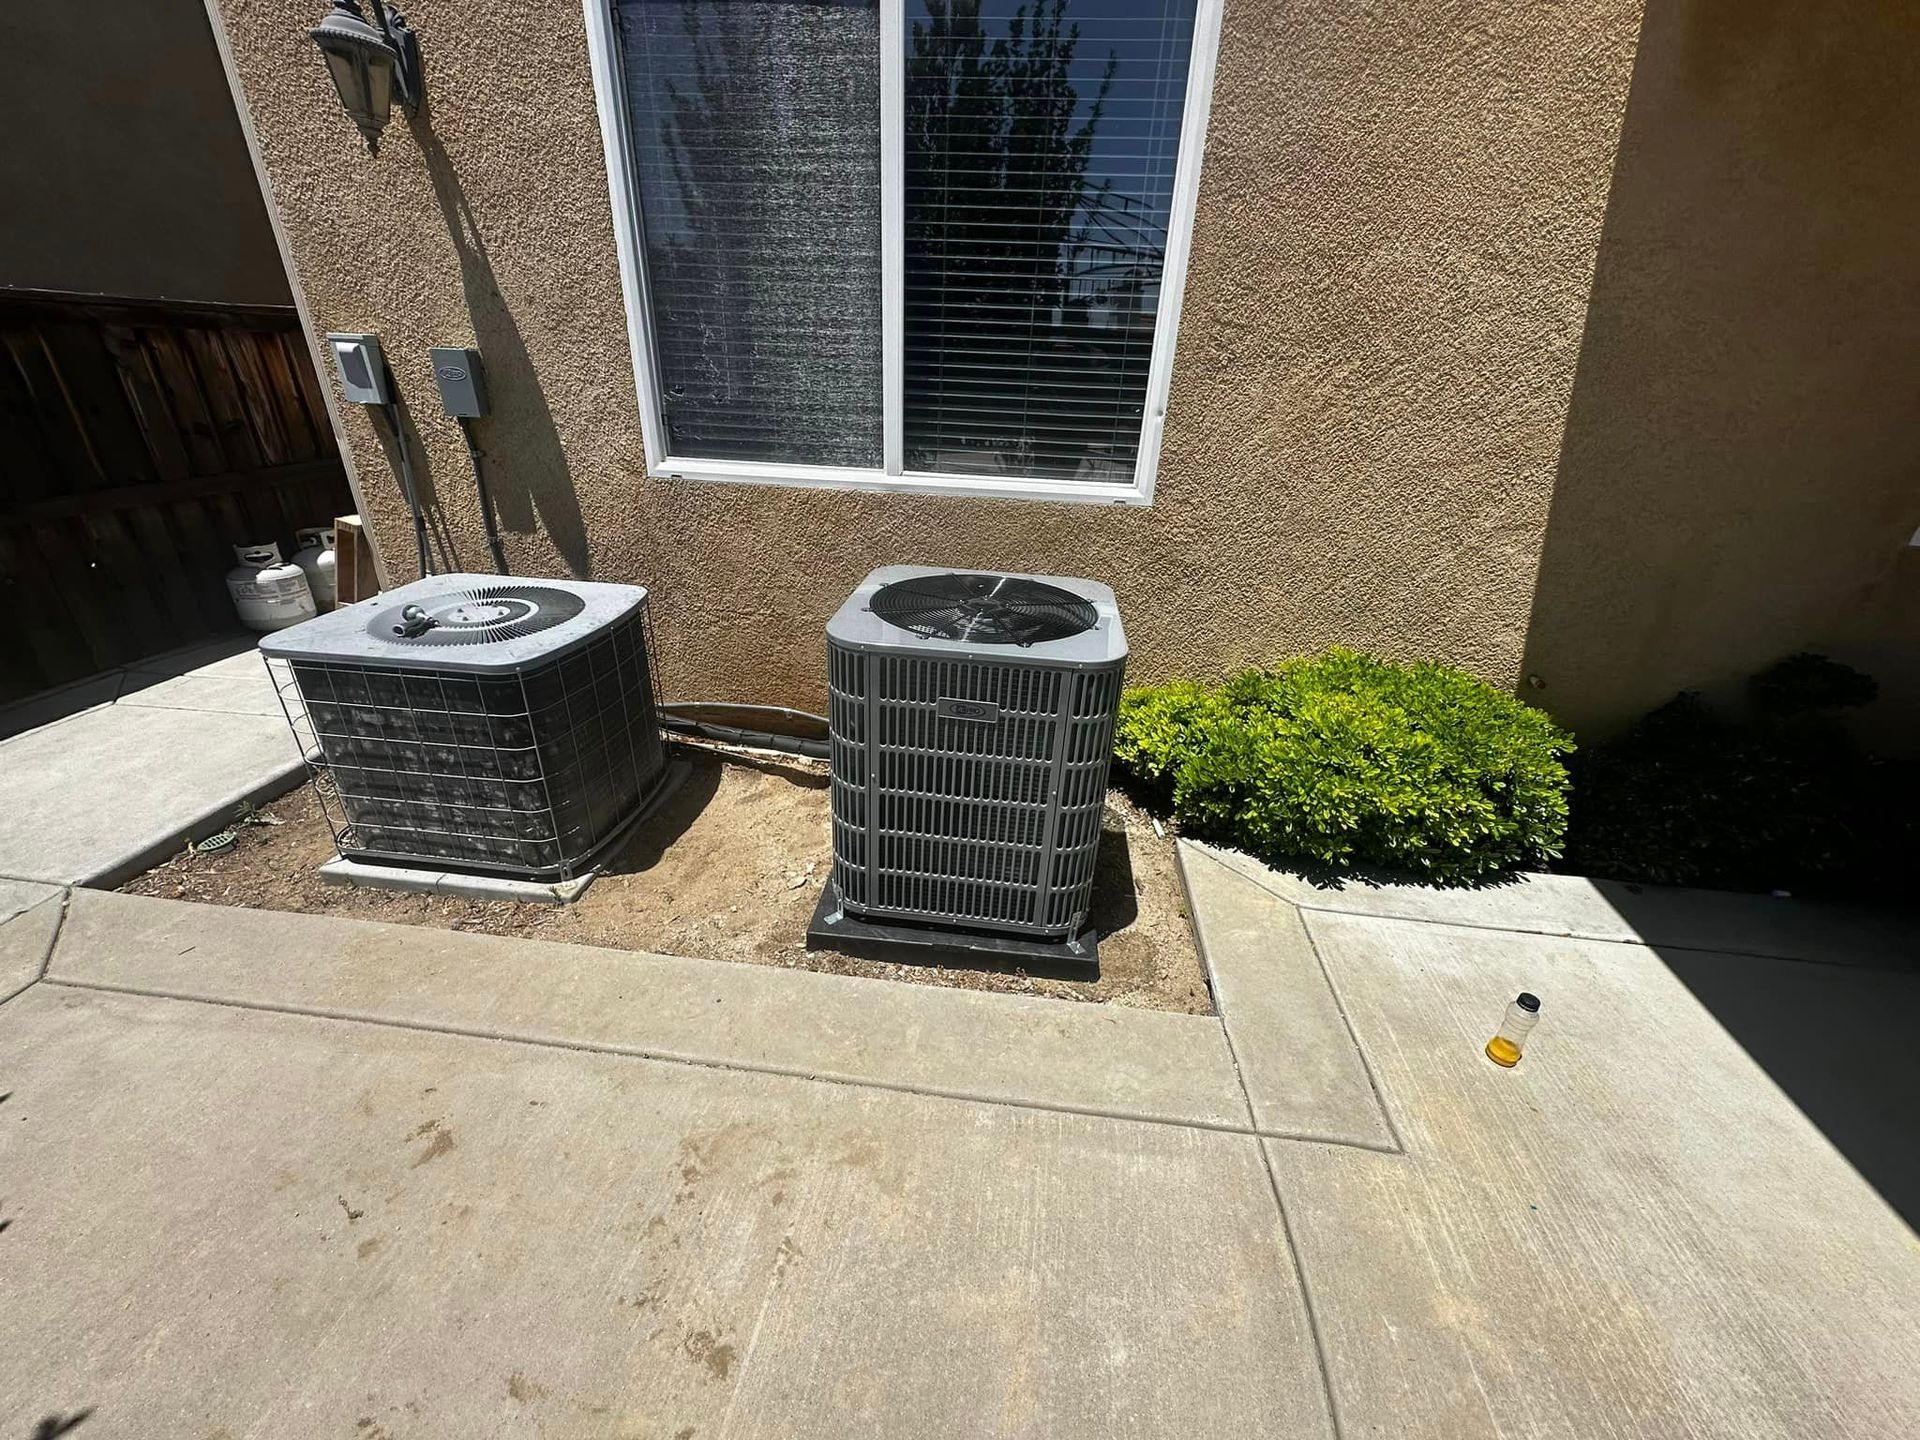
(521, 752)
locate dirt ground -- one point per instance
(729, 868)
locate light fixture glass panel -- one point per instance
(379, 87)
(348, 67)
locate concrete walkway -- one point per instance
(101, 779)
(273, 1175)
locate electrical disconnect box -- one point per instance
(363, 369)
(463, 384)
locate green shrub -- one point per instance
(1343, 761)
(1779, 799)
(1158, 731)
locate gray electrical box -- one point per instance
(463, 384)
(363, 369)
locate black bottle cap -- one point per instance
(1528, 1002)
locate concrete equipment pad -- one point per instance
(1630, 1234)
(1103, 1059)
(228, 1222)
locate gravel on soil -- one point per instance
(729, 868)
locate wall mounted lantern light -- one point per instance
(370, 63)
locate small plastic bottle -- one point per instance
(1522, 1015)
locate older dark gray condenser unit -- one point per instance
(473, 722)
(972, 721)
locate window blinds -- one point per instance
(756, 150)
(1040, 149)
(1037, 151)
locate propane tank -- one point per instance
(270, 593)
(316, 560)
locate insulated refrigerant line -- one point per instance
(486, 503)
(392, 413)
(679, 716)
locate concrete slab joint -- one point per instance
(814, 1204)
(1304, 1073)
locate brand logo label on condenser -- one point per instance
(979, 711)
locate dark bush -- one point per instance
(1343, 761)
(1782, 798)
(1808, 684)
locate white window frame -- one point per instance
(892, 476)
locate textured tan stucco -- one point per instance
(1398, 221)
(1741, 470)
(123, 170)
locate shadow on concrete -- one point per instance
(1737, 475)
(528, 477)
(53, 1426)
(1836, 1034)
(62, 702)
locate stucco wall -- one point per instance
(123, 170)
(1741, 469)
(1398, 220)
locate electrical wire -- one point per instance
(480, 488)
(392, 413)
(791, 714)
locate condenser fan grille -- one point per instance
(984, 609)
(480, 615)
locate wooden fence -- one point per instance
(140, 441)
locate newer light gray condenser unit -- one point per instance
(478, 723)
(972, 721)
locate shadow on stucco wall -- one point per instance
(440, 543)
(1741, 464)
(537, 488)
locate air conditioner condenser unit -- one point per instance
(972, 717)
(467, 722)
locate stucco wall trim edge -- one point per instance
(308, 331)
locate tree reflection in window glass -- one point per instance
(1041, 142)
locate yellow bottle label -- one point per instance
(1502, 1051)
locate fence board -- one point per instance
(48, 649)
(180, 384)
(165, 447)
(80, 585)
(123, 579)
(74, 464)
(29, 470)
(98, 400)
(159, 549)
(204, 561)
(141, 442)
(221, 392)
(315, 404)
(270, 350)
